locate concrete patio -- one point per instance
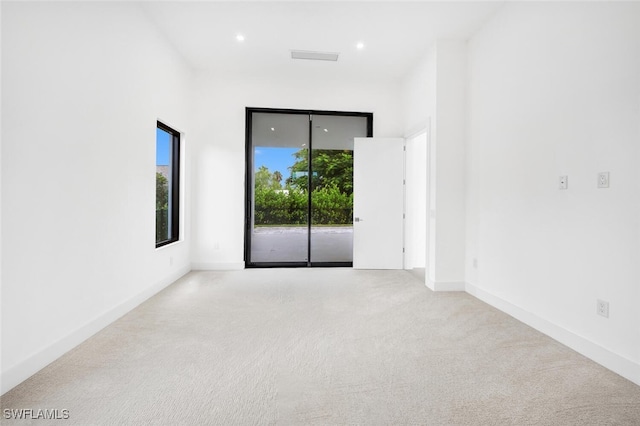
(289, 244)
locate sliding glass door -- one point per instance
(332, 186)
(300, 186)
(279, 226)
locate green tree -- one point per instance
(162, 207)
(277, 176)
(330, 168)
(265, 179)
(330, 206)
(162, 192)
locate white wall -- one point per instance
(418, 91)
(555, 90)
(83, 85)
(219, 133)
(449, 136)
(434, 94)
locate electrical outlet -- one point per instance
(564, 182)
(475, 262)
(602, 308)
(603, 180)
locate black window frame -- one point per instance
(174, 171)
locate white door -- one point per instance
(378, 170)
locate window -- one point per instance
(167, 185)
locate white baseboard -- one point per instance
(446, 286)
(625, 367)
(216, 266)
(19, 373)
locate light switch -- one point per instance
(564, 182)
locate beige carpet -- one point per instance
(323, 347)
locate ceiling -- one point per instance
(396, 35)
(292, 130)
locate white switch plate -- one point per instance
(603, 180)
(564, 182)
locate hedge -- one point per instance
(329, 206)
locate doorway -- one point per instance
(299, 192)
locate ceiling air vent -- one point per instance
(314, 56)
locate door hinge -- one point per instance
(403, 249)
(404, 216)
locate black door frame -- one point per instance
(249, 190)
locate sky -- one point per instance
(275, 159)
(162, 147)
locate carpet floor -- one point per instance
(322, 347)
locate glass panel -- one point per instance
(279, 224)
(163, 185)
(332, 186)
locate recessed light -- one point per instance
(360, 45)
(240, 37)
(325, 130)
(304, 144)
(273, 129)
